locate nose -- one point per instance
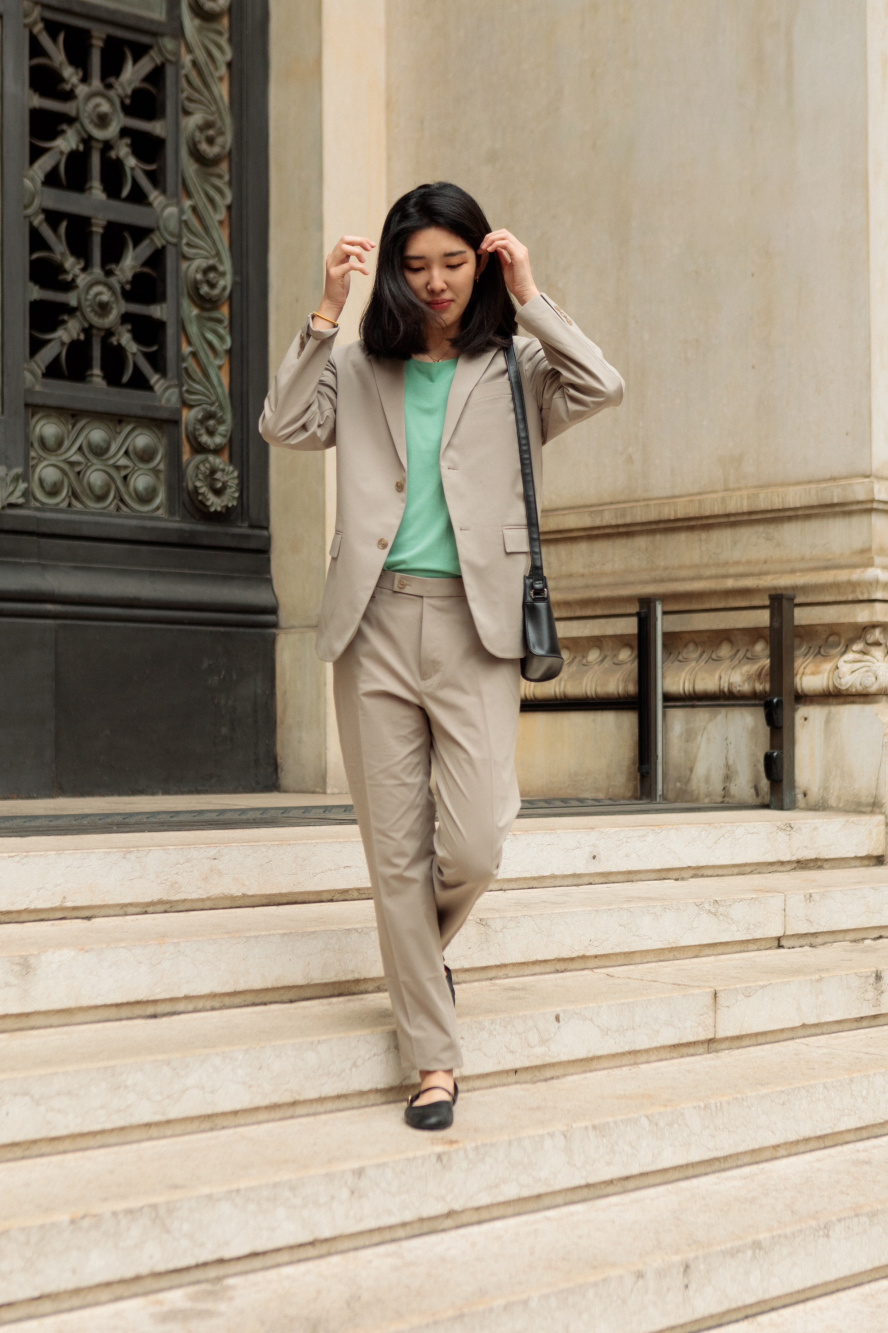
(437, 282)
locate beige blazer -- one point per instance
(324, 396)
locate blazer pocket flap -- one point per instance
(516, 539)
(335, 544)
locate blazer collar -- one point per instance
(389, 375)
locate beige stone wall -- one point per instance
(296, 480)
(704, 185)
(691, 177)
(327, 164)
(712, 754)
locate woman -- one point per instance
(422, 610)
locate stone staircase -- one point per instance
(674, 1110)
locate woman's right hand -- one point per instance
(348, 256)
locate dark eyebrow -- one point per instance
(449, 254)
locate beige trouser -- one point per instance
(418, 694)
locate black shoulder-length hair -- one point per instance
(394, 322)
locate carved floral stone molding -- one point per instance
(13, 487)
(207, 267)
(839, 660)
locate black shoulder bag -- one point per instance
(542, 659)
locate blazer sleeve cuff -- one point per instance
(308, 336)
(541, 313)
(317, 335)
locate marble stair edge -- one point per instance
(683, 1253)
(101, 1078)
(553, 1020)
(68, 875)
(197, 959)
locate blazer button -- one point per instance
(382, 543)
(399, 485)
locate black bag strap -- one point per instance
(537, 577)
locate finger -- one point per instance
(500, 235)
(342, 253)
(352, 265)
(363, 241)
(353, 257)
(343, 248)
(505, 242)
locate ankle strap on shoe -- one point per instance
(433, 1087)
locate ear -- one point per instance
(482, 262)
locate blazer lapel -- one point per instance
(390, 383)
(469, 370)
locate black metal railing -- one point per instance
(779, 706)
(650, 699)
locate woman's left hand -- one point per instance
(515, 261)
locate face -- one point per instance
(440, 269)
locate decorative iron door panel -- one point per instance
(133, 482)
(121, 244)
(101, 198)
(128, 143)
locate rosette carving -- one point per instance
(212, 483)
(207, 267)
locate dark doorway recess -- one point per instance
(136, 609)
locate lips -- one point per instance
(438, 305)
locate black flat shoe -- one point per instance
(432, 1115)
(449, 975)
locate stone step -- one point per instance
(143, 1074)
(179, 960)
(863, 1308)
(58, 876)
(644, 1260)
